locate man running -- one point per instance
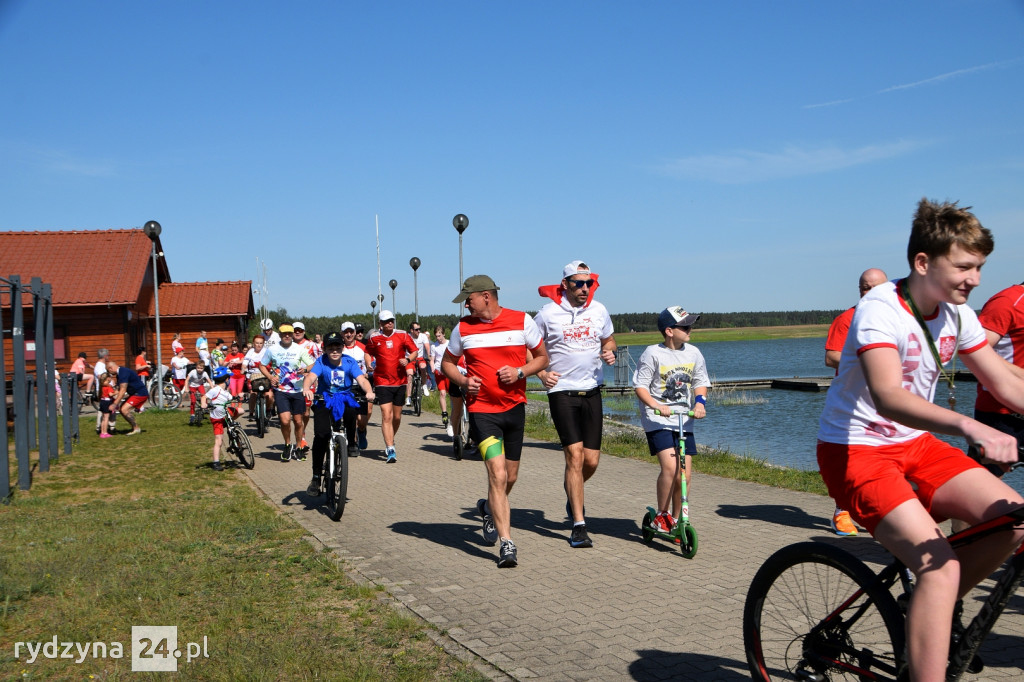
(289, 361)
(577, 332)
(422, 342)
(842, 524)
(495, 342)
(393, 350)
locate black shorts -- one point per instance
(578, 417)
(293, 403)
(1007, 423)
(508, 427)
(389, 394)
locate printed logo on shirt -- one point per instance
(947, 347)
(676, 379)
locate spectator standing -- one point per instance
(234, 361)
(577, 332)
(176, 343)
(495, 342)
(179, 368)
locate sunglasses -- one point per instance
(684, 328)
(579, 284)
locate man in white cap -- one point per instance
(270, 337)
(577, 331)
(357, 351)
(393, 349)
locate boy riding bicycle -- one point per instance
(874, 448)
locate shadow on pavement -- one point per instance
(654, 664)
(463, 537)
(782, 514)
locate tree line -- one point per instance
(624, 322)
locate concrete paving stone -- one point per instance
(564, 614)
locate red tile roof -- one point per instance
(96, 267)
(193, 299)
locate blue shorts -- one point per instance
(293, 403)
(667, 439)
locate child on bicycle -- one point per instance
(873, 440)
(219, 397)
(667, 375)
(196, 381)
(108, 389)
(334, 374)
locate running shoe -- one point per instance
(304, 445)
(98, 428)
(392, 456)
(448, 430)
(314, 486)
(507, 555)
(408, 402)
(134, 432)
(426, 392)
(662, 523)
(842, 524)
(353, 452)
(298, 454)
(444, 419)
(105, 435)
(579, 537)
(362, 440)
(217, 466)
(286, 454)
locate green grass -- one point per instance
(140, 531)
(799, 331)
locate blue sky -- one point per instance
(721, 156)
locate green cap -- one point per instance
(473, 285)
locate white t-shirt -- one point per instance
(287, 362)
(438, 348)
(198, 377)
(884, 320)
(180, 367)
(252, 360)
(357, 354)
(573, 339)
(218, 398)
(423, 346)
(271, 339)
(671, 377)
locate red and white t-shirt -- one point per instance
(1004, 315)
(490, 345)
(884, 320)
(387, 351)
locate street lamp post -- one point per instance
(393, 284)
(373, 312)
(460, 222)
(152, 230)
(380, 299)
(415, 264)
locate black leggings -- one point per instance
(322, 422)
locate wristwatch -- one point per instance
(519, 372)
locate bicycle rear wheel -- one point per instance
(814, 611)
(337, 487)
(243, 450)
(417, 399)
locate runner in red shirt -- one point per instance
(496, 342)
(393, 350)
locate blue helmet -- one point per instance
(221, 373)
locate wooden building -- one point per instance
(102, 284)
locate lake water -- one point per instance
(783, 429)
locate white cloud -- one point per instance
(751, 166)
(947, 76)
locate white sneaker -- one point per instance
(448, 430)
(426, 391)
(408, 402)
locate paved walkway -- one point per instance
(621, 610)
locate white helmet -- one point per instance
(267, 324)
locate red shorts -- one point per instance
(870, 481)
(442, 381)
(137, 401)
(218, 426)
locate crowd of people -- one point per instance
(876, 453)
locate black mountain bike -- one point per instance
(334, 475)
(261, 386)
(416, 396)
(816, 612)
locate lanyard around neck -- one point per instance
(948, 376)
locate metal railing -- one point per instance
(31, 402)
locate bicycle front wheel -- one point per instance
(243, 450)
(338, 485)
(417, 401)
(261, 416)
(814, 611)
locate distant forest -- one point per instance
(624, 322)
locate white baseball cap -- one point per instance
(347, 325)
(386, 315)
(298, 325)
(577, 267)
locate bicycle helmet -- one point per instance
(267, 323)
(221, 373)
